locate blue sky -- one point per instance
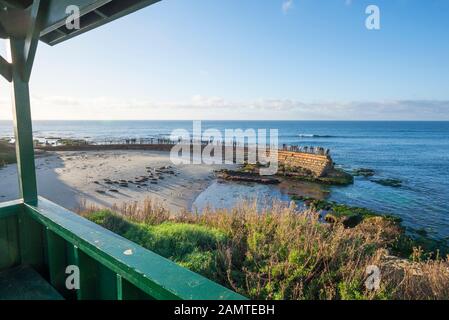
(251, 59)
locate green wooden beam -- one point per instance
(12, 4)
(5, 69)
(38, 15)
(22, 125)
(23, 52)
(94, 13)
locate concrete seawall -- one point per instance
(319, 165)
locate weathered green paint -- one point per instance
(94, 13)
(15, 3)
(31, 237)
(73, 259)
(38, 14)
(106, 283)
(22, 125)
(156, 276)
(131, 292)
(97, 281)
(9, 243)
(10, 208)
(9, 234)
(24, 283)
(19, 70)
(88, 276)
(119, 281)
(57, 14)
(5, 69)
(49, 238)
(57, 261)
(126, 291)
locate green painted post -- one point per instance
(119, 287)
(22, 124)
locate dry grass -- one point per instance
(417, 279)
(281, 253)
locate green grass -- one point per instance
(189, 245)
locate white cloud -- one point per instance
(205, 107)
(287, 5)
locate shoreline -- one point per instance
(74, 179)
(108, 178)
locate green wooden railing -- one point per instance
(48, 238)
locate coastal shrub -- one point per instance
(7, 153)
(351, 216)
(280, 252)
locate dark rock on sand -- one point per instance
(231, 175)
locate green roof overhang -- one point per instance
(93, 13)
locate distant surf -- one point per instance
(306, 135)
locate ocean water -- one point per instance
(415, 152)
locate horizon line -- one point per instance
(229, 120)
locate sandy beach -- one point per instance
(112, 177)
